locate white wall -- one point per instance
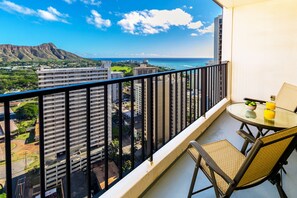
(262, 47)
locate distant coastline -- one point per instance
(172, 63)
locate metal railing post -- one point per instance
(132, 126)
(67, 145)
(150, 112)
(106, 136)
(203, 91)
(8, 149)
(120, 131)
(170, 107)
(163, 111)
(88, 109)
(156, 113)
(144, 143)
(41, 146)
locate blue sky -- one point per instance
(112, 28)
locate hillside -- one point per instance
(43, 52)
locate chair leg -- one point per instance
(283, 170)
(214, 182)
(193, 180)
(281, 191)
(244, 147)
(277, 181)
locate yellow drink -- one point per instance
(269, 114)
(270, 105)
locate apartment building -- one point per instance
(54, 119)
(115, 87)
(154, 97)
(144, 69)
(218, 29)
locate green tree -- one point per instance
(127, 165)
(113, 150)
(115, 132)
(27, 112)
(127, 84)
(22, 129)
(2, 193)
(13, 80)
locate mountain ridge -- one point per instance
(43, 52)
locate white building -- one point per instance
(115, 87)
(54, 119)
(138, 98)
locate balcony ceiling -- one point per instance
(236, 3)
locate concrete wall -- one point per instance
(260, 40)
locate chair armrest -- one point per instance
(210, 162)
(246, 136)
(255, 100)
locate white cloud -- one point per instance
(47, 15)
(153, 21)
(195, 25)
(96, 19)
(188, 7)
(87, 2)
(69, 1)
(92, 2)
(12, 7)
(208, 29)
(54, 11)
(51, 14)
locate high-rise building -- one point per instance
(163, 86)
(218, 29)
(162, 97)
(138, 98)
(144, 69)
(54, 119)
(115, 87)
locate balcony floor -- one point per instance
(176, 180)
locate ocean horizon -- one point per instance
(172, 63)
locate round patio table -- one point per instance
(283, 118)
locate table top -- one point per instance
(283, 118)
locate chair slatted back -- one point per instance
(287, 97)
(265, 155)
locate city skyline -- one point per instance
(93, 28)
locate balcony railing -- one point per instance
(150, 111)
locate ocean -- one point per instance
(172, 63)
